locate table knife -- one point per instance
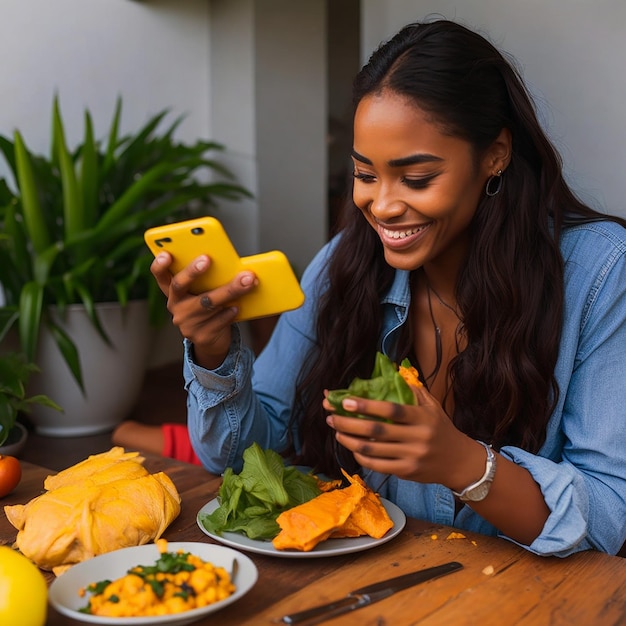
(367, 595)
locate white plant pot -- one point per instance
(112, 374)
(14, 445)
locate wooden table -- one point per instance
(588, 588)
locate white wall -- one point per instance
(154, 54)
(291, 126)
(571, 53)
(269, 97)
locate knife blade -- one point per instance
(367, 595)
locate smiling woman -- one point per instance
(411, 163)
(464, 250)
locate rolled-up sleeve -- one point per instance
(566, 495)
(217, 401)
(581, 468)
(247, 401)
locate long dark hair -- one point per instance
(510, 288)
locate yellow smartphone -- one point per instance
(278, 289)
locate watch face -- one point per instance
(478, 493)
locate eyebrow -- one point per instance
(414, 159)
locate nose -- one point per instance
(385, 203)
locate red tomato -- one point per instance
(10, 474)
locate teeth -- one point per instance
(401, 234)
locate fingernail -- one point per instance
(201, 264)
(247, 280)
(162, 258)
(349, 405)
(329, 420)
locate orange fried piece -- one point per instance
(410, 375)
(305, 525)
(349, 512)
(328, 485)
(369, 518)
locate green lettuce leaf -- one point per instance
(250, 502)
(384, 384)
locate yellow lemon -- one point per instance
(23, 590)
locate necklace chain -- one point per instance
(429, 287)
(438, 346)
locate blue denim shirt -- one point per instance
(581, 467)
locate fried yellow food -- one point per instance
(350, 512)
(177, 582)
(106, 502)
(410, 374)
(369, 517)
(328, 485)
(98, 469)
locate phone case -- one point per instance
(187, 240)
(278, 289)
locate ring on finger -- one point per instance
(206, 303)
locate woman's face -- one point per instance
(416, 186)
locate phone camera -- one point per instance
(197, 230)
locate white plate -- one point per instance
(330, 547)
(63, 593)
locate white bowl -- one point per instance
(63, 593)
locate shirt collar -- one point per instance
(400, 292)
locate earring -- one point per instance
(494, 184)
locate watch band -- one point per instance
(478, 491)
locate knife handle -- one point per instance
(302, 616)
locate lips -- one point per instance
(399, 237)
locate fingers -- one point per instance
(243, 283)
(382, 447)
(181, 282)
(178, 286)
(368, 429)
(377, 408)
(160, 270)
(206, 303)
(412, 442)
(423, 396)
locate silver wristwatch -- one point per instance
(478, 491)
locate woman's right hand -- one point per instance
(205, 319)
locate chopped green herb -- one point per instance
(98, 587)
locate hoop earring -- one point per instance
(494, 184)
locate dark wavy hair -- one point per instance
(510, 288)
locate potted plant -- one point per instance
(72, 223)
(15, 371)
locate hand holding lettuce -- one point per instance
(251, 501)
(388, 382)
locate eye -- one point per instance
(418, 183)
(366, 178)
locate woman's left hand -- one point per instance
(421, 444)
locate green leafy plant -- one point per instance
(15, 371)
(72, 223)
